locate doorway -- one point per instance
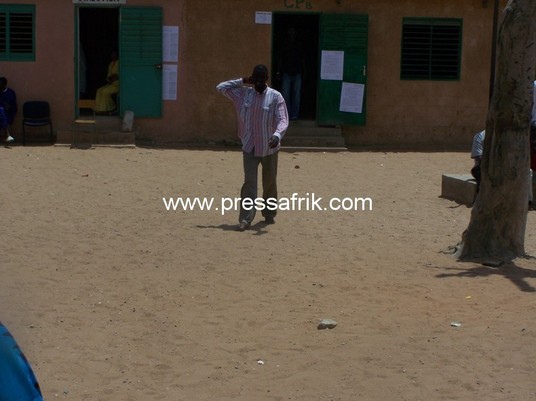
(306, 28)
(98, 37)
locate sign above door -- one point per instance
(100, 2)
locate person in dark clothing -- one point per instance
(8, 108)
(290, 70)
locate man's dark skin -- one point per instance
(258, 80)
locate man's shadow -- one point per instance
(257, 228)
(517, 275)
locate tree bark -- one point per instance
(499, 215)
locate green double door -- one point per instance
(342, 82)
(140, 55)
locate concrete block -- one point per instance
(459, 187)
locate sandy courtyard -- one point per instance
(114, 298)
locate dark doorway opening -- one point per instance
(306, 27)
(98, 29)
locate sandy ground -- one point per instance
(112, 297)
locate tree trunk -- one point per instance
(499, 215)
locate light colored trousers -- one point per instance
(249, 188)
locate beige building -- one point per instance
(398, 74)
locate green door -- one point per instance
(140, 61)
(345, 37)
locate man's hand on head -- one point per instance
(248, 80)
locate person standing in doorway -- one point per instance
(290, 70)
(262, 122)
(104, 104)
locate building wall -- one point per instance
(430, 114)
(219, 40)
(51, 76)
(400, 114)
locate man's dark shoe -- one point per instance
(243, 226)
(269, 220)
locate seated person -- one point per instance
(476, 154)
(104, 104)
(8, 103)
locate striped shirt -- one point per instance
(260, 115)
(477, 150)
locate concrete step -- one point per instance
(314, 141)
(314, 149)
(309, 128)
(73, 137)
(95, 130)
(305, 134)
(113, 123)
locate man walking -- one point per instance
(262, 122)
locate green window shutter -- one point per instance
(21, 33)
(140, 61)
(17, 32)
(431, 48)
(3, 34)
(141, 34)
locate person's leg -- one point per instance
(294, 106)
(475, 172)
(530, 188)
(533, 147)
(4, 126)
(269, 184)
(10, 121)
(9, 137)
(110, 90)
(286, 81)
(103, 98)
(249, 188)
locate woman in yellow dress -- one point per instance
(103, 99)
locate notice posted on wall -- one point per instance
(352, 97)
(169, 82)
(170, 45)
(263, 17)
(332, 65)
(98, 2)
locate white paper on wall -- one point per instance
(263, 17)
(332, 65)
(170, 45)
(169, 82)
(352, 97)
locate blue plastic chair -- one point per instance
(36, 114)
